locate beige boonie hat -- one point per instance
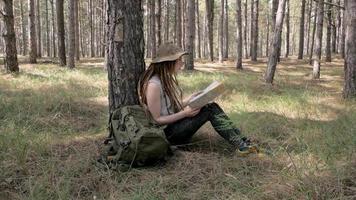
(168, 52)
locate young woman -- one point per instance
(160, 93)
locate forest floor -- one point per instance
(53, 122)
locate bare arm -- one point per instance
(154, 106)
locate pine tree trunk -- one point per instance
(48, 45)
(255, 32)
(252, 20)
(288, 30)
(166, 22)
(39, 35)
(245, 31)
(23, 30)
(54, 31)
(184, 22)
(221, 29)
(71, 34)
(91, 27)
(276, 43)
(76, 16)
(33, 39)
(159, 22)
(301, 30)
(338, 28)
(343, 36)
(318, 42)
(210, 21)
(267, 33)
(313, 34)
(328, 34)
(309, 20)
(274, 12)
(125, 51)
(239, 35)
(198, 30)
(350, 61)
(226, 31)
(179, 23)
(153, 28)
(60, 35)
(11, 64)
(189, 62)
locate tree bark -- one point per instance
(226, 31)
(245, 31)
(39, 34)
(179, 23)
(166, 22)
(274, 12)
(210, 21)
(221, 30)
(33, 39)
(71, 34)
(288, 30)
(343, 36)
(313, 34)
(23, 29)
(255, 32)
(318, 42)
(11, 64)
(76, 16)
(252, 20)
(153, 28)
(239, 35)
(301, 31)
(125, 51)
(159, 22)
(309, 22)
(276, 43)
(60, 34)
(189, 62)
(48, 45)
(198, 30)
(328, 34)
(53, 30)
(350, 60)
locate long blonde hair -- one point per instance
(166, 73)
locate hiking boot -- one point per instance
(245, 147)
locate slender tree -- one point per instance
(198, 30)
(255, 31)
(76, 16)
(328, 34)
(91, 26)
(313, 35)
(276, 43)
(301, 31)
(189, 62)
(318, 42)
(159, 23)
(60, 33)
(166, 21)
(221, 30)
(48, 45)
(350, 61)
(310, 7)
(178, 23)
(239, 34)
(33, 39)
(153, 28)
(71, 34)
(210, 21)
(287, 29)
(125, 51)
(11, 63)
(23, 29)
(53, 30)
(245, 31)
(226, 30)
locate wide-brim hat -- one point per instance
(168, 52)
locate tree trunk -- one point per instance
(313, 34)
(76, 16)
(184, 22)
(276, 43)
(226, 31)
(245, 31)
(166, 22)
(301, 30)
(60, 35)
(221, 29)
(53, 30)
(33, 40)
(328, 34)
(288, 30)
(39, 35)
(309, 20)
(48, 45)
(338, 28)
(179, 23)
(255, 32)
(239, 35)
(24, 30)
(210, 21)
(318, 42)
(153, 28)
(91, 27)
(343, 36)
(198, 30)
(252, 20)
(11, 64)
(189, 62)
(350, 61)
(71, 34)
(125, 51)
(274, 12)
(159, 24)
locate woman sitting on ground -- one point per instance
(159, 91)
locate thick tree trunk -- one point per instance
(33, 39)
(11, 64)
(60, 34)
(226, 31)
(125, 51)
(288, 30)
(301, 30)
(319, 39)
(328, 34)
(39, 34)
(221, 30)
(23, 30)
(71, 34)
(159, 24)
(189, 61)
(350, 60)
(313, 34)
(276, 43)
(239, 35)
(152, 28)
(210, 21)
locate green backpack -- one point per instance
(134, 139)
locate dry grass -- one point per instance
(53, 120)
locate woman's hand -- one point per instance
(190, 112)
